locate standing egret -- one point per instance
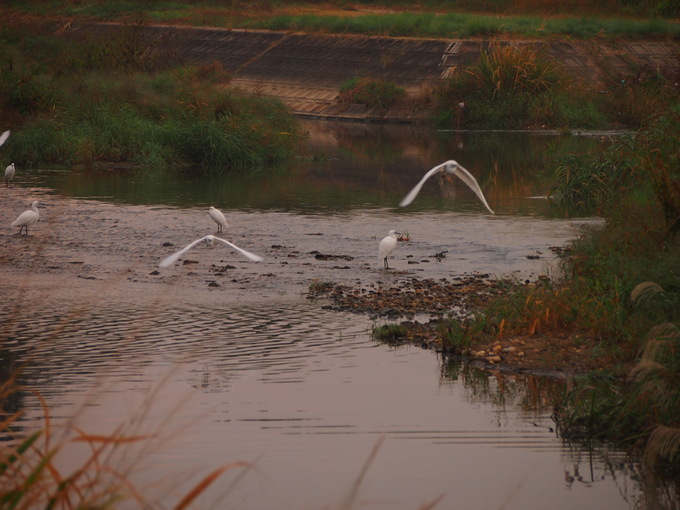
(210, 241)
(387, 246)
(3, 137)
(9, 174)
(27, 218)
(218, 218)
(450, 167)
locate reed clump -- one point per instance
(511, 87)
(30, 476)
(583, 19)
(517, 86)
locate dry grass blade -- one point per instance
(645, 290)
(645, 368)
(351, 497)
(663, 445)
(93, 438)
(432, 504)
(206, 482)
(658, 339)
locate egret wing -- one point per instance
(251, 256)
(470, 180)
(414, 192)
(4, 136)
(168, 261)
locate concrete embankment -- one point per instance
(306, 71)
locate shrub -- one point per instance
(109, 101)
(372, 92)
(512, 87)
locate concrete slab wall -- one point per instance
(306, 71)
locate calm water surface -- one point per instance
(302, 394)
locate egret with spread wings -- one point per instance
(450, 167)
(210, 241)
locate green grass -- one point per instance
(458, 25)
(587, 19)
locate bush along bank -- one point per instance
(121, 101)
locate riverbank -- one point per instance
(306, 70)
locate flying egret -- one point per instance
(3, 137)
(210, 241)
(27, 218)
(9, 174)
(454, 168)
(218, 218)
(387, 246)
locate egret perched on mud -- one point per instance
(210, 241)
(9, 174)
(450, 167)
(218, 218)
(3, 137)
(27, 218)
(387, 246)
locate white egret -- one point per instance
(210, 241)
(27, 218)
(3, 137)
(9, 174)
(218, 218)
(454, 168)
(387, 246)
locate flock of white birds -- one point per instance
(385, 248)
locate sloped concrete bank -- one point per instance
(306, 70)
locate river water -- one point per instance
(226, 362)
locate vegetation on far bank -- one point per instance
(466, 18)
(74, 101)
(516, 86)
